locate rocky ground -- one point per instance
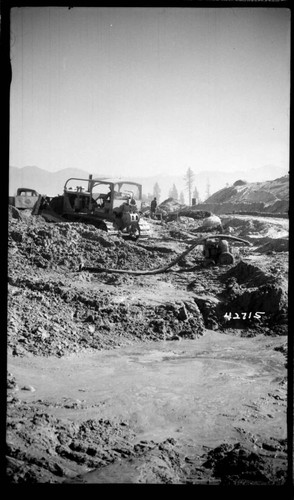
(60, 313)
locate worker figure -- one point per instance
(77, 204)
(153, 207)
(133, 204)
(108, 196)
(106, 200)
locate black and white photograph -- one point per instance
(148, 245)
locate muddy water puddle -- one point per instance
(198, 391)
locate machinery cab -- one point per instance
(118, 201)
(76, 198)
(115, 201)
(101, 197)
(26, 198)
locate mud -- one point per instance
(137, 379)
(132, 409)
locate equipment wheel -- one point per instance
(134, 231)
(226, 258)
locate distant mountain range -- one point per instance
(206, 182)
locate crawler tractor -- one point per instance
(111, 205)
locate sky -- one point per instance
(143, 91)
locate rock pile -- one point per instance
(236, 464)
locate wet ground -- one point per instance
(199, 393)
(142, 379)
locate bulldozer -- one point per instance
(108, 204)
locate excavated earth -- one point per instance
(164, 378)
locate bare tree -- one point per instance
(189, 179)
(173, 193)
(156, 191)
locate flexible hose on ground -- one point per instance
(160, 269)
(148, 272)
(226, 236)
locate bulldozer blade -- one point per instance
(144, 229)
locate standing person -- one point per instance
(77, 203)
(153, 207)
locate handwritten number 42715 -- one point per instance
(244, 315)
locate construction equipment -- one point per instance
(216, 248)
(111, 205)
(25, 199)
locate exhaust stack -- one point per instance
(89, 183)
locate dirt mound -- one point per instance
(280, 206)
(172, 209)
(269, 300)
(181, 227)
(54, 310)
(188, 212)
(67, 245)
(13, 213)
(46, 449)
(253, 298)
(269, 196)
(249, 274)
(264, 293)
(267, 192)
(240, 182)
(153, 463)
(170, 205)
(257, 230)
(274, 245)
(49, 317)
(241, 465)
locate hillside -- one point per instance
(272, 194)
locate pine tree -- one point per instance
(189, 179)
(156, 191)
(182, 198)
(173, 193)
(196, 195)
